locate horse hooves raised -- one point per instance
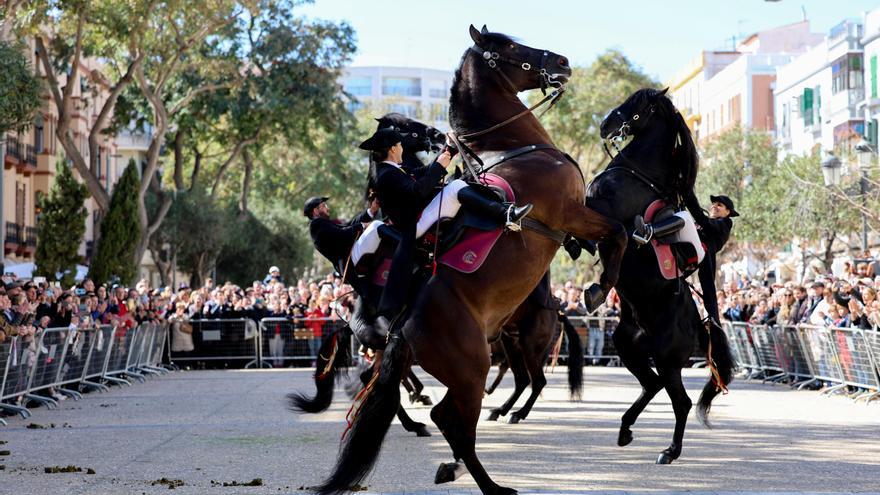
(664, 458)
(422, 431)
(594, 296)
(425, 400)
(625, 437)
(449, 471)
(514, 419)
(493, 415)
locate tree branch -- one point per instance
(197, 165)
(235, 152)
(107, 109)
(180, 105)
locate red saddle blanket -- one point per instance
(469, 253)
(665, 258)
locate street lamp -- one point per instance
(831, 173)
(831, 170)
(866, 161)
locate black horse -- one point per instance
(525, 344)
(369, 330)
(659, 321)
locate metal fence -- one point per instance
(58, 362)
(837, 359)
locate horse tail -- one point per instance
(331, 358)
(575, 359)
(722, 366)
(363, 442)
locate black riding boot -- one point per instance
(506, 214)
(394, 296)
(644, 232)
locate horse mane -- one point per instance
(489, 39)
(685, 159)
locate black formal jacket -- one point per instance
(403, 196)
(714, 232)
(332, 240)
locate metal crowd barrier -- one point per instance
(222, 340)
(35, 368)
(585, 325)
(285, 341)
(838, 358)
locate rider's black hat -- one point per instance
(382, 140)
(726, 202)
(313, 203)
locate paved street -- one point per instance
(206, 428)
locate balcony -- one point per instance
(30, 240)
(13, 237)
(401, 91)
(128, 140)
(13, 152)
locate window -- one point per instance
(847, 73)
(406, 109)
(402, 86)
(359, 86)
(817, 107)
(20, 201)
(849, 133)
(873, 76)
(807, 106)
(38, 133)
(439, 112)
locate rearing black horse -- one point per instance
(659, 321)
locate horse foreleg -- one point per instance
(535, 338)
(585, 222)
(410, 425)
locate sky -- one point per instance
(660, 36)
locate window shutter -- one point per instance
(873, 76)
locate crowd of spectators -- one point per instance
(26, 306)
(848, 299)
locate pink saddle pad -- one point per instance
(469, 253)
(665, 259)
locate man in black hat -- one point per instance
(332, 240)
(714, 233)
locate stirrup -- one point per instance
(515, 215)
(640, 227)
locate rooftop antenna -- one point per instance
(804, 10)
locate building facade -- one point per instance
(722, 89)
(819, 94)
(30, 159)
(421, 94)
(871, 51)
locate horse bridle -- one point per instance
(618, 137)
(492, 58)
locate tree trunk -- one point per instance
(178, 160)
(164, 267)
(197, 165)
(245, 184)
(828, 256)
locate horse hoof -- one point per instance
(513, 419)
(664, 458)
(425, 400)
(422, 431)
(625, 438)
(493, 415)
(448, 471)
(594, 296)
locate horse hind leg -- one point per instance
(502, 369)
(410, 425)
(520, 376)
(416, 395)
(534, 344)
(638, 362)
(681, 405)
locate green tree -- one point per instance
(120, 231)
(62, 226)
(592, 92)
(20, 90)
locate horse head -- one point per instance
(418, 138)
(650, 112)
(519, 66)
(633, 115)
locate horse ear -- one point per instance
(378, 119)
(485, 30)
(663, 91)
(475, 35)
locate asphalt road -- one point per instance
(206, 428)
